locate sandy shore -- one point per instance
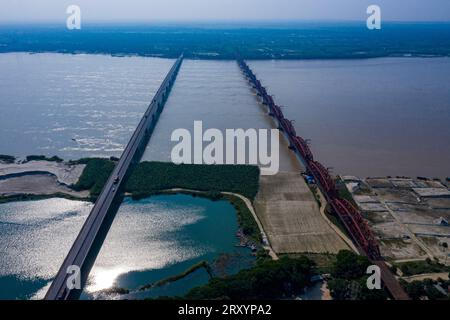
(64, 173)
(40, 178)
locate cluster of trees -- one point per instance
(94, 175)
(411, 268)
(43, 158)
(349, 279)
(269, 279)
(246, 220)
(151, 177)
(10, 159)
(264, 41)
(7, 159)
(426, 289)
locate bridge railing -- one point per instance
(349, 215)
(85, 248)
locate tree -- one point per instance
(445, 247)
(349, 265)
(414, 289)
(349, 278)
(340, 289)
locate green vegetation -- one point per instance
(337, 222)
(220, 41)
(150, 177)
(262, 255)
(246, 220)
(195, 267)
(426, 289)
(349, 265)
(348, 278)
(282, 278)
(94, 175)
(324, 262)
(43, 158)
(115, 290)
(421, 267)
(7, 159)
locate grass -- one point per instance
(195, 267)
(323, 261)
(333, 218)
(245, 219)
(337, 222)
(421, 267)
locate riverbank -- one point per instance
(40, 179)
(65, 172)
(151, 239)
(295, 40)
(85, 178)
(251, 231)
(409, 216)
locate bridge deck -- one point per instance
(326, 185)
(81, 254)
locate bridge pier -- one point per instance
(364, 240)
(84, 250)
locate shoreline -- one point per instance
(26, 172)
(21, 181)
(215, 58)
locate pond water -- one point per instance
(149, 240)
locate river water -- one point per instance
(365, 117)
(73, 106)
(216, 93)
(371, 117)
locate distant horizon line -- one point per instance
(213, 22)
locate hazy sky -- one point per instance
(184, 10)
